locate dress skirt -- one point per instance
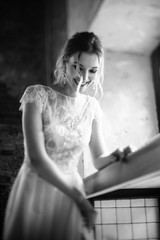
(36, 210)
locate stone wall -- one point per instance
(22, 57)
(22, 48)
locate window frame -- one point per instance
(132, 193)
(155, 62)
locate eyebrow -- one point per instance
(81, 65)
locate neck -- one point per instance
(66, 90)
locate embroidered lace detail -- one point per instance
(98, 113)
(67, 123)
(36, 94)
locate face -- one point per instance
(82, 70)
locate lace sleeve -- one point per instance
(98, 113)
(36, 94)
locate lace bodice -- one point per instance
(67, 123)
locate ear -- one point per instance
(65, 59)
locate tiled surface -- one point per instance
(127, 219)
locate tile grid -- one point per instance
(132, 221)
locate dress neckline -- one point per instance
(65, 95)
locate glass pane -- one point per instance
(137, 202)
(138, 215)
(124, 231)
(96, 203)
(98, 217)
(139, 231)
(152, 230)
(109, 215)
(152, 214)
(151, 202)
(109, 232)
(98, 232)
(123, 215)
(108, 203)
(123, 203)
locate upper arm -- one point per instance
(97, 142)
(33, 131)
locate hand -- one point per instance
(121, 155)
(118, 155)
(87, 211)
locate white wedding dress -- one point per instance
(36, 210)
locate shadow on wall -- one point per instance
(22, 45)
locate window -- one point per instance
(128, 214)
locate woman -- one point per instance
(48, 200)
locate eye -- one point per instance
(81, 69)
(74, 66)
(93, 70)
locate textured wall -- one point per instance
(22, 55)
(22, 60)
(81, 14)
(128, 103)
(129, 100)
(55, 33)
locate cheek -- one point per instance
(92, 77)
(70, 71)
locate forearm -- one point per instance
(118, 155)
(104, 161)
(48, 170)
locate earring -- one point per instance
(94, 85)
(64, 78)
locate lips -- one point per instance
(77, 82)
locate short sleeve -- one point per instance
(36, 94)
(98, 113)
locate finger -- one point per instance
(118, 154)
(79, 78)
(79, 84)
(127, 150)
